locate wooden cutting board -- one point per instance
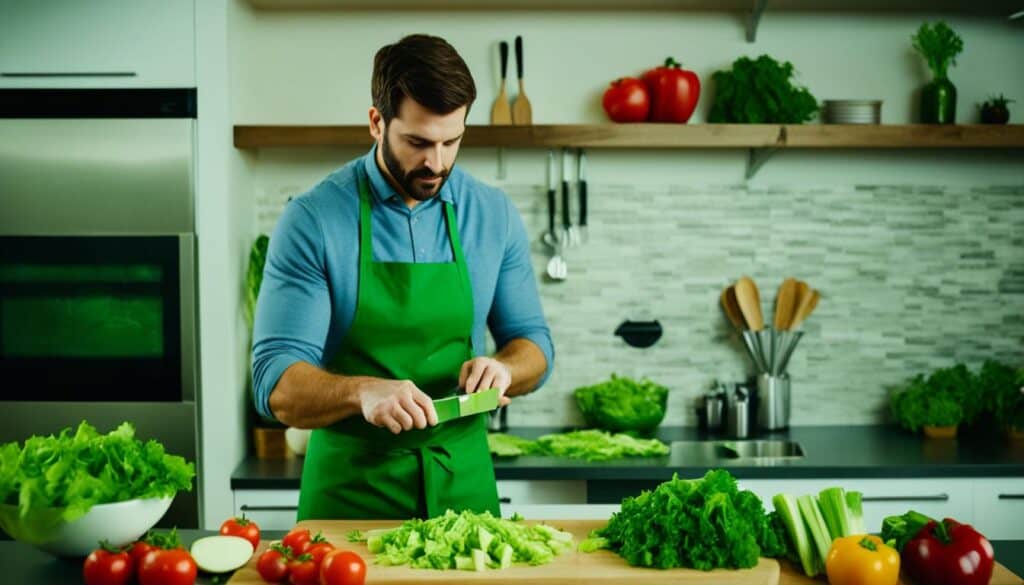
(569, 568)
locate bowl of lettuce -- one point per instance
(65, 493)
(623, 405)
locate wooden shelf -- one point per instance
(666, 136)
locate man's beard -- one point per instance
(407, 181)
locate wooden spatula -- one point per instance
(750, 303)
(732, 308)
(807, 305)
(501, 112)
(785, 304)
(802, 290)
(522, 113)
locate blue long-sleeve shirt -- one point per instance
(308, 297)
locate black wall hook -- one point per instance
(639, 333)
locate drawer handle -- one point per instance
(69, 74)
(935, 498)
(248, 508)
(1011, 496)
(505, 500)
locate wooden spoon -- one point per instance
(750, 303)
(785, 304)
(501, 112)
(732, 308)
(522, 113)
(802, 290)
(807, 305)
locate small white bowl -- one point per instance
(119, 524)
(297, 440)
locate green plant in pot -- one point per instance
(918, 406)
(1003, 388)
(994, 110)
(939, 45)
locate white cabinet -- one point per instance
(98, 43)
(999, 508)
(935, 497)
(270, 509)
(550, 500)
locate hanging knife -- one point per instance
(581, 173)
(568, 233)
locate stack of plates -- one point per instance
(853, 111)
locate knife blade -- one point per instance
(466, 404)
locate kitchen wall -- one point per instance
(919, 255)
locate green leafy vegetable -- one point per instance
(939, 45)
(592, 445)
(466, 541)
(760, 92)
(623, 404)
(703, 523)
(74, 471)
(917, 405)
(254, 276)
(897, 531)
(1003, 390)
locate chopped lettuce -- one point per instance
(73, 471)
(592, 445)
(466, 541)
(705, 524)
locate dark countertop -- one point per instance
(25, 565)
(830, 452)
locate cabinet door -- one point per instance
(999, 508)
(523, 492)
(270, 509)
(935, 497)
(99, 43)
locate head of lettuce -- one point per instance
(73, 471)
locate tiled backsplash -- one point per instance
(911, 278)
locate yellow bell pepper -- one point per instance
(862, 559)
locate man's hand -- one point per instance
(396, 404)
(484, 373)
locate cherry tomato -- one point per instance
(273, 564)
(342, 567)
(167, 567)
(242, 527)
(303, 571)
(627, 100)
(319, 550)
(107, 567)
(297, 540)
(138, 552)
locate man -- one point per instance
(378, 286)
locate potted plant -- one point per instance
(1004, 396)
(994, 110)
(919, 406)
(939, 45)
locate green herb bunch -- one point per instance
(760, 91)
(939, 46)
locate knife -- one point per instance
(466, 404)
(581, 174)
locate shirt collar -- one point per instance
(382, 189)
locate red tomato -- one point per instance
(272, 565)
(297, 540)
(674, 92)
(138, 551)
(627, 100)
(342, 567)
(243, 527)
(167, 567)
(303, 571)
(105, 567)
(319, 550)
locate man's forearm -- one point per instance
(526, 362)
(308, 397)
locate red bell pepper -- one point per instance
(949, 553)
(674, 92)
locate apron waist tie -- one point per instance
(436, 462)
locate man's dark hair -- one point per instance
(424, 68)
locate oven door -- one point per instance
(97, 318)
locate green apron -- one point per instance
(413, 321)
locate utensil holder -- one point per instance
(773, 405)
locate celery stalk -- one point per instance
(853, 504)
(816, 527)
(833, 508)
(786, 506)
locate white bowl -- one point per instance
(119, 524)
(297, 440)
